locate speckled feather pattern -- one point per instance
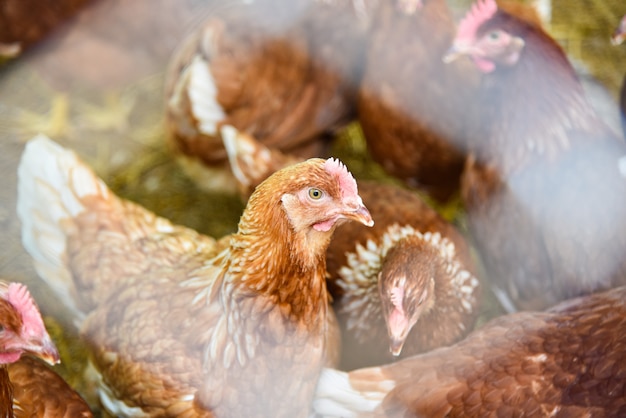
(354, 258)
(41, 393)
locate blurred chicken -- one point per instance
(544, 188)
(20, 27)
(619, 35)
(406, 282)
(28, 388)
(569, 361)
(173, 328)
(281, 71)
(414, 110)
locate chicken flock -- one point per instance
(336, 296)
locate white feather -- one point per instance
(335, 396)
(203, 96)
(51, 181)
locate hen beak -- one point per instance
(45, 350)
(395, 346)
(454, 53)
(360, 214)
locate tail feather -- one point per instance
(51, 183)
(345, 395)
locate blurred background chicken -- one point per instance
(414, 109)
(20, 28)
(545, 186)
(284, 72)
(175, 327)
(569, 361)
(29, 388)
(404, 286)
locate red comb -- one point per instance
(19, 296)
(480, 12)
(344, 177)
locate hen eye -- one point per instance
(315, 194)
(494, 35)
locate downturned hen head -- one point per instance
(406, 285)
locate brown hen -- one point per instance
(406, 285)
(283, 72)
(545, 187)
(414, 110)
(175, 329)
(569, 361)
(28, 388)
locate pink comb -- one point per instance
(480, 12)
(19, 296)
(344, 177)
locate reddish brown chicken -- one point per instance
(175, 329)
(28, 388)
(413, 108)
(569, 361)
(545, 187)
(282, 71)
(20, 27)
(407, 285)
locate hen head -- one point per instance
(314, 197)
(490, 37)
(22, 330)
(406, 285)
(619, 35)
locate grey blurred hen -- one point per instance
(545, 187)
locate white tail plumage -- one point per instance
(51, 182)
(337, 397)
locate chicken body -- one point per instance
(568, 361)
(28, 388)
(284, 72)
(412, 107)
(176, 324)
(545, 187)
